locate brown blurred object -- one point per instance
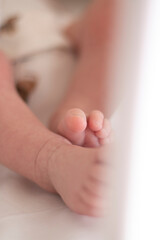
(25, 87)
(9, 25)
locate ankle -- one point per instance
(46, 155)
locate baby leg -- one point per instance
(77, 118)
(77, 174)
(22, 136)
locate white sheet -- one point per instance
(28, 212)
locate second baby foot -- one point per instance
(88, 131)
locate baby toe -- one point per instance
(105, 131)
(95, 120)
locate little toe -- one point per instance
(107, 140)
(95, 120)
(105, 131)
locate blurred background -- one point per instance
(35, 43)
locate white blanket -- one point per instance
(28, 212)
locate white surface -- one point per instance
(26, 211)
(142, 219)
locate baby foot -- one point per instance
(87, 131)
(80, 176)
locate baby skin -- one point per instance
(68, 159)
(86, 131)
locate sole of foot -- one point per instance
(81, 178)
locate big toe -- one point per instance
(76, 120)
(73, 126)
